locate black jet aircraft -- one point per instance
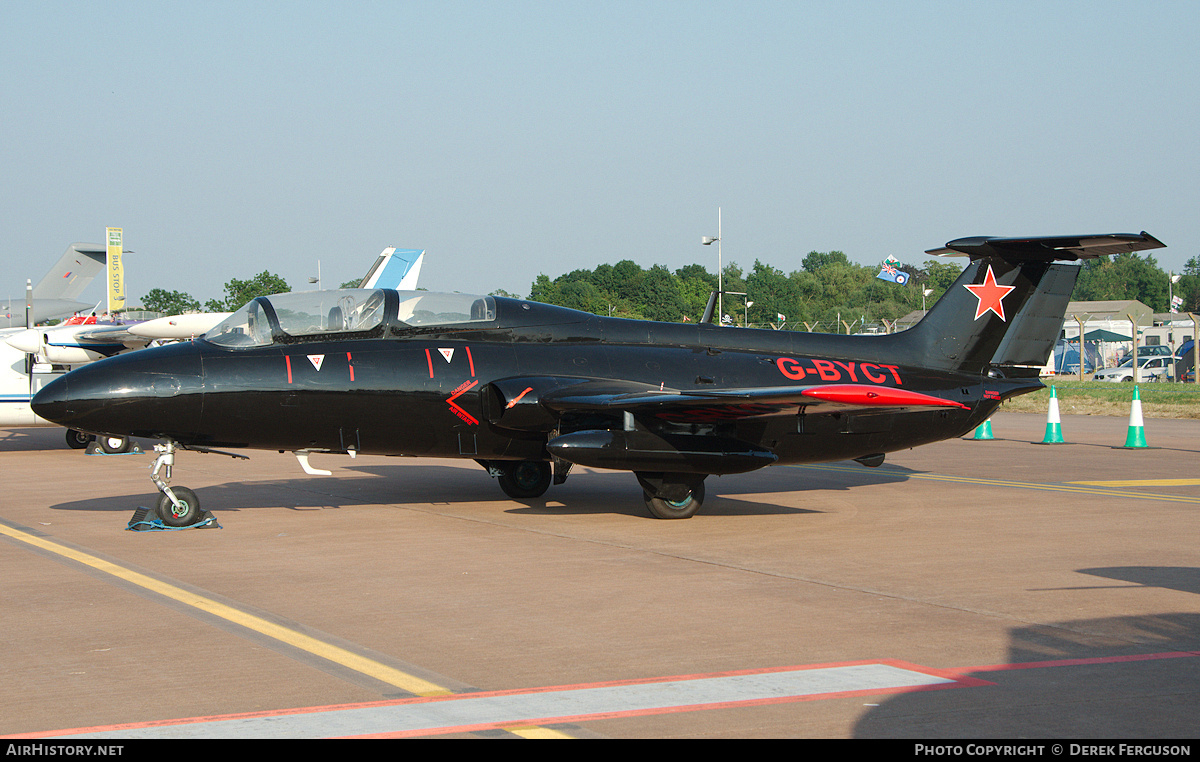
(528, 389)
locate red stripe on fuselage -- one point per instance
(858, 394)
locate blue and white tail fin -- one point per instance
(395, 268)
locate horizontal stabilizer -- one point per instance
(1049, 248)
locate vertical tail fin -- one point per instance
(79, 264)
(1008, 305)
(395, 268)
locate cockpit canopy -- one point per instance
(285, 318)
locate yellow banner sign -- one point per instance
(116, 271)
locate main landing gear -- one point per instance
(78, 440)
(672, 496)
(522, 479)
(667, 495)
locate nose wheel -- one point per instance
(183, 511)
(177, 506)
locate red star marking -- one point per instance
(990, 295)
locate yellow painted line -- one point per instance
(1079, 488)
(257, 624)
(1145, 483)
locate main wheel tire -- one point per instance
(114, 445)
(662, 508)
(77, 440)
(527, 479)
(187, 513)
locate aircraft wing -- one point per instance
(110, 334)
(539, 403)
(71, 345)
(533, 402)
(740, 402)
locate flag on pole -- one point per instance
(890, 271)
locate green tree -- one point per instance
(828, 287)
(816, 260)
(239, 292)
(545, 290)
(1124, 276)
(773, 294)
(695, 286)
(660, 295)
(583, 295)
(627, 278)
(1188, 287)
(169, 302)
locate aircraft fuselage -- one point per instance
(477, 392)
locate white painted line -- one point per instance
(461, 713)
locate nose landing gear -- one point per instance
(178, 506)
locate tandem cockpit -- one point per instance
(346, 313)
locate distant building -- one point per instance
(1107, 326)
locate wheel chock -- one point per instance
(147, 520)
(95, 449)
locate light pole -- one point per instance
(707, 241)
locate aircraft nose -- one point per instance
(51, 402)
(153, 392)
(28, 341)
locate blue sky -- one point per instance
(515, 138)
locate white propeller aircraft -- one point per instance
(31, 357)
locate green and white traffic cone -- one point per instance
(984, 430)
(1136, 438)
(1053, 422)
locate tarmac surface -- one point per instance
(967, 589)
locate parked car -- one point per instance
(1154, 350)
(1149, 369)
